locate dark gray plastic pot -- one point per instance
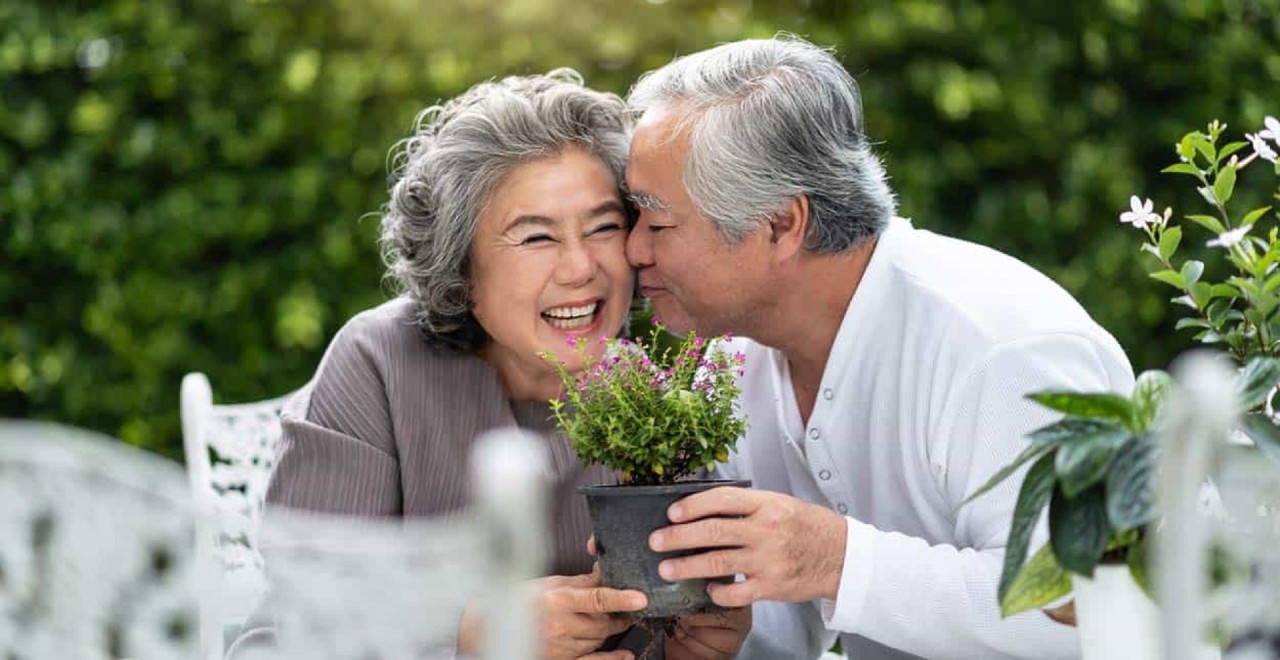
(622, 518)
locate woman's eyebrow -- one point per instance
(611, 206)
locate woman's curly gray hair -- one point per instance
(443, 174)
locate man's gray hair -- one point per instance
(443, 175)
(768, 120)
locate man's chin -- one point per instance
(672, 317)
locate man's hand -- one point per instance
(709, 636)
(787, 549)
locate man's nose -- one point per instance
(640, 247)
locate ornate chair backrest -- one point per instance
(357, 589)
(230, 450)
(96, 549)
(1238, 534)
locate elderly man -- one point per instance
(885, 371)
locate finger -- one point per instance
(737, 594)
(593, 629)
(708, 533)
(582, 581)
(716, 563)
(581, 632)
(591, 545)
(722, 501)
(603, 600)
(610, 655)
(703, 644)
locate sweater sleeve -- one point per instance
(893, 582)
(338, 451)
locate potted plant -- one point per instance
(658, 413)
(1093, 469)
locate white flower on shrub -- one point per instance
(1272, 130)
(1230, 238)
(1140, 214)
(1260, 146)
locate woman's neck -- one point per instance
(519, 380)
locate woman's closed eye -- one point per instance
(606, 229)
(535, 239)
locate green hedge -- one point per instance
(194, 185)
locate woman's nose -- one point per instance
(577, 266)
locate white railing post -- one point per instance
(1201, 410)
(509, 469)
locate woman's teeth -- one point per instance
(571, 318)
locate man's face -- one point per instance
(695, 278)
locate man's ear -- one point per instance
(788, 227)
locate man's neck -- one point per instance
(803, 324)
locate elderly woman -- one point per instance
(505, 230)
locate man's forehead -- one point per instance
(658, 131)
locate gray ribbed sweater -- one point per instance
(384, 429)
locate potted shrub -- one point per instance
(1093, 469)
(658, 413)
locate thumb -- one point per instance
(585, 580)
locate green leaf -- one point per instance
(1223, 291)
(1199, 291)
(1203, 145)
(1078, 529)
(1253, 216)
(1098, 405)
(1225, 184)
(1149, 393)
(1030, 453)
(1182, 168)
(1130, 493)
(1136, 558)
(1083, 462)
(1067, 429)
(1039, 583)
(1035, 491)
(1229, 149)
(1192, 322)
(1171, 278)
(1186, 148)
(1256, 380)
(1169, 242)
(1208, 222)
(1264, 434)
(1192, 270)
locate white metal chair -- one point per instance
(230, 450)
(96, 556)
(1245, 530)
(359, 589)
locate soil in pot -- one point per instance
(622, 518)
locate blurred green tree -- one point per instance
(194, 185)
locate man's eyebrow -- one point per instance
(645, 200)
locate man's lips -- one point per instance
(650, 289)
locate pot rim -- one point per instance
(626, 490)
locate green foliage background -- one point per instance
(193, 185)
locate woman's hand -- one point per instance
(578, 614)
(709, 636)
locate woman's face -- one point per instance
(549, 262)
